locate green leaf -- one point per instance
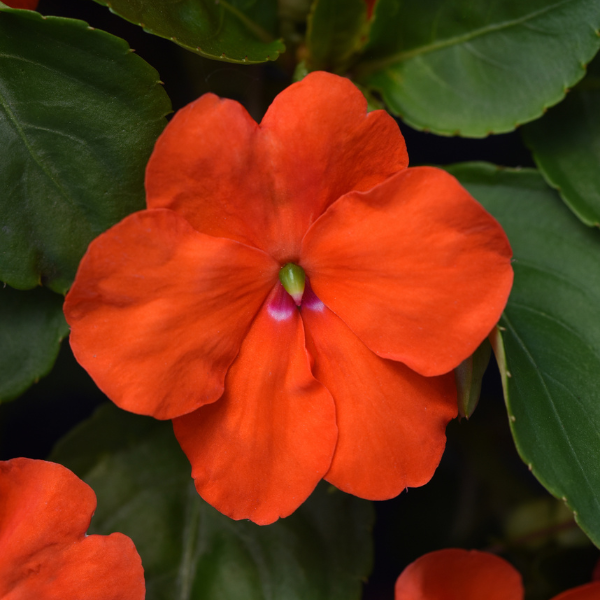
(469, 376)
(32, 326)
(188, 549)
(566, 147)
(337, 31)
(79, 115)
(551, 335)
(474, 68)
(239, 31)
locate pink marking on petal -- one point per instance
(280, 305)
(311, 300)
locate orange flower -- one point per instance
(470, 575)
(178, 312)
(44, 551)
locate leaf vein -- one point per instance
(13, 120)
(377, 64)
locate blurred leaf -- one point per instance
(32, 326)
(189, 550)
(240, 31)
(474, 68)
(566, 147)
(551, 337)
(79, 115)
(337, 30)
(469, 375)
(539, 522)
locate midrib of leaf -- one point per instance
(263, 36)
(34, 156)
(547, 393)
(369, 67)
(187, 569)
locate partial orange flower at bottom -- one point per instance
(45, 553)
(295, 298)
(455, 574)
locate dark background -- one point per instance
(481, 479)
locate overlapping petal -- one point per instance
(158, 311)
(264, 185)
(455, 574)
(391, 420)
(415, 267)
(261, 449)
(44, 514)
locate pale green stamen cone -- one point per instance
(292, 278)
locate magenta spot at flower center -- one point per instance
(280, 305)
(310, 300)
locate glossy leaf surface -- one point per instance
(566, 147)
(551, 335)
(188, 549)
(470, 69)
(79, 115)
(241, 31)
(31, 328)
(337, 29)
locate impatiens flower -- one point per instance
(470, 575)
(45, 554)
(295, 298)
(28, 4)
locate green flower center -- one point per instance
(293, 279)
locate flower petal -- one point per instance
(26, 4)
(265, 185)
(391, 420)
(590, 591)
(158, 311)
(46, 555)
(415, 267)
(259, 452)
(459, 575)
